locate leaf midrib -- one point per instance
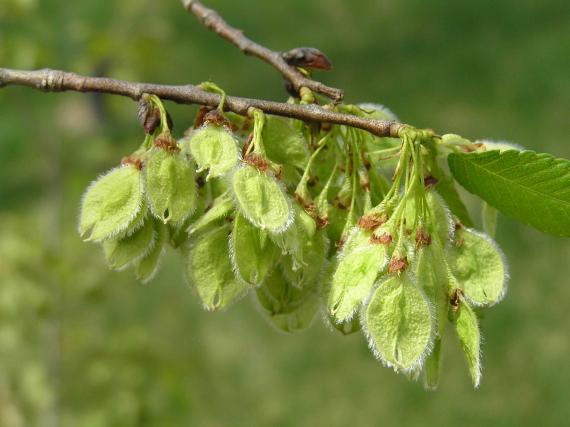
(528, 189)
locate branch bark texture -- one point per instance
(212, 20)
(58, 81)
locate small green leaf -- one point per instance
(292, 241)
(306, 273)
(337, 219)
(448, 192)
(379, 186)
(440, 218)
(285, 306)
(431, 276)
(253, 254)
(399, 325)
(479, 267)
(284, 143)
(111, 204)
(432, 367)
(531, 187)
(136, 223)
(222, 206)
(209, 270)
(213, 147)
(261, 199)
(469, 336)
(359, 264)
(121, 252)
(170, 185)
(179, 233)
(147, 267)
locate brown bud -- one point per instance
(257, 161)
(322, 221)
(384, 239)
(152, 121)
(307, 57)
(372, 221)
(422, 238)
(397, 265)
(149, 117)
(455, 299)
(199, 119)
(166, 142)
(246, 145)
(217, 118)
(132, 160)
(430, 181)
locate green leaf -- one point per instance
(446, 189)
(261, 199)
(170, 186)
(285, 306)
(467, 330)
(398, 322)
(306, 273)
(478, 266)
(359, 264)
(531, 187)
(337, 219)
(222, 206)
(284, 143)
(253, 254)
(111, 204)
(432, 368)
(179, 233)
(292, 241)
(440, 218)
(121, 252)
(209, 270)
(431, 276)
(213, 147)
(147, 267)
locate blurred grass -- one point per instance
(88, 347)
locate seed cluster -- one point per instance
(303, 217)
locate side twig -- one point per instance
(212, 20)
(58, 81)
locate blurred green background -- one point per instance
(83, 346)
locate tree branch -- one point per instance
(58, 81)
(212, 20)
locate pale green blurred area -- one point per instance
(83, 346)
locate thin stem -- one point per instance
(213, 21)
(58, 81)
(258, 124)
